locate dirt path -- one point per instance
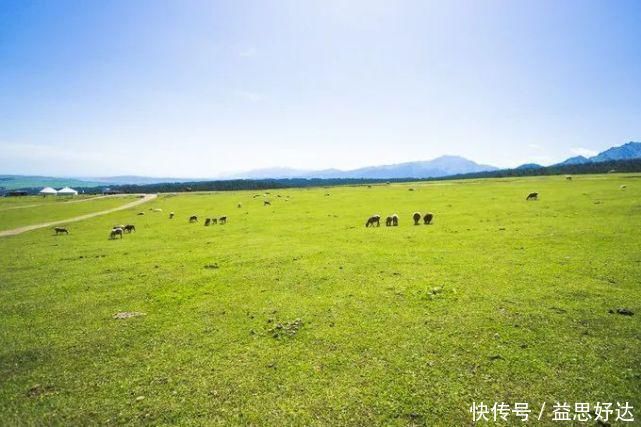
(20, 230)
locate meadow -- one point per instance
(34, 210)
(296, 314)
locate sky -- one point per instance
(191, 88)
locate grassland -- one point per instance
(18, 213)
(499, 300)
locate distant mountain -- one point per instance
(578, 160)
(529, 166)
(275, 173)
(138, 180)
(441, 166)
(631, 150)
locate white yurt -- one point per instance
(48, 191)
(67, 192)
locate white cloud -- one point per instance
(534, 146)
(581, 151)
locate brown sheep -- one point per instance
(395, 220)
(416, 217)
(374, 219)
(532, 196)
(427, 219)
(60, 230)
(193, 218)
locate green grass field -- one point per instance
(296, 314)
(21, 213)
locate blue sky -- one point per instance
(199, 88)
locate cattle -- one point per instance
(395, 220)
(129, 228)
(388, 221)
(222, 220)
(207, 222)
(61, 230)
(427, 218)
(171, 215)
(267, 203)
(374, 219)
(193, 218)
(532, 196)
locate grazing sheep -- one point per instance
(623, 187)
(116, 232)
(60, 230)
(532, 196)
(416, 217)
(388, 221)
(214, 220)
(193, 218)
(568, 177)
(267, 203)
(374, 219)
(129, 228)
(410, 189)
(171, 215)
(222, 220)
(207, 222)
(427, 219)
(141, 213)
(395, 220)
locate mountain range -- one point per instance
(441, 166)
(435, 168)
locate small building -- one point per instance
(67, 192)
(48, 191)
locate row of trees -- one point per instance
(633, 165)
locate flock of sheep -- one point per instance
(392, 220)
(374, 220)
